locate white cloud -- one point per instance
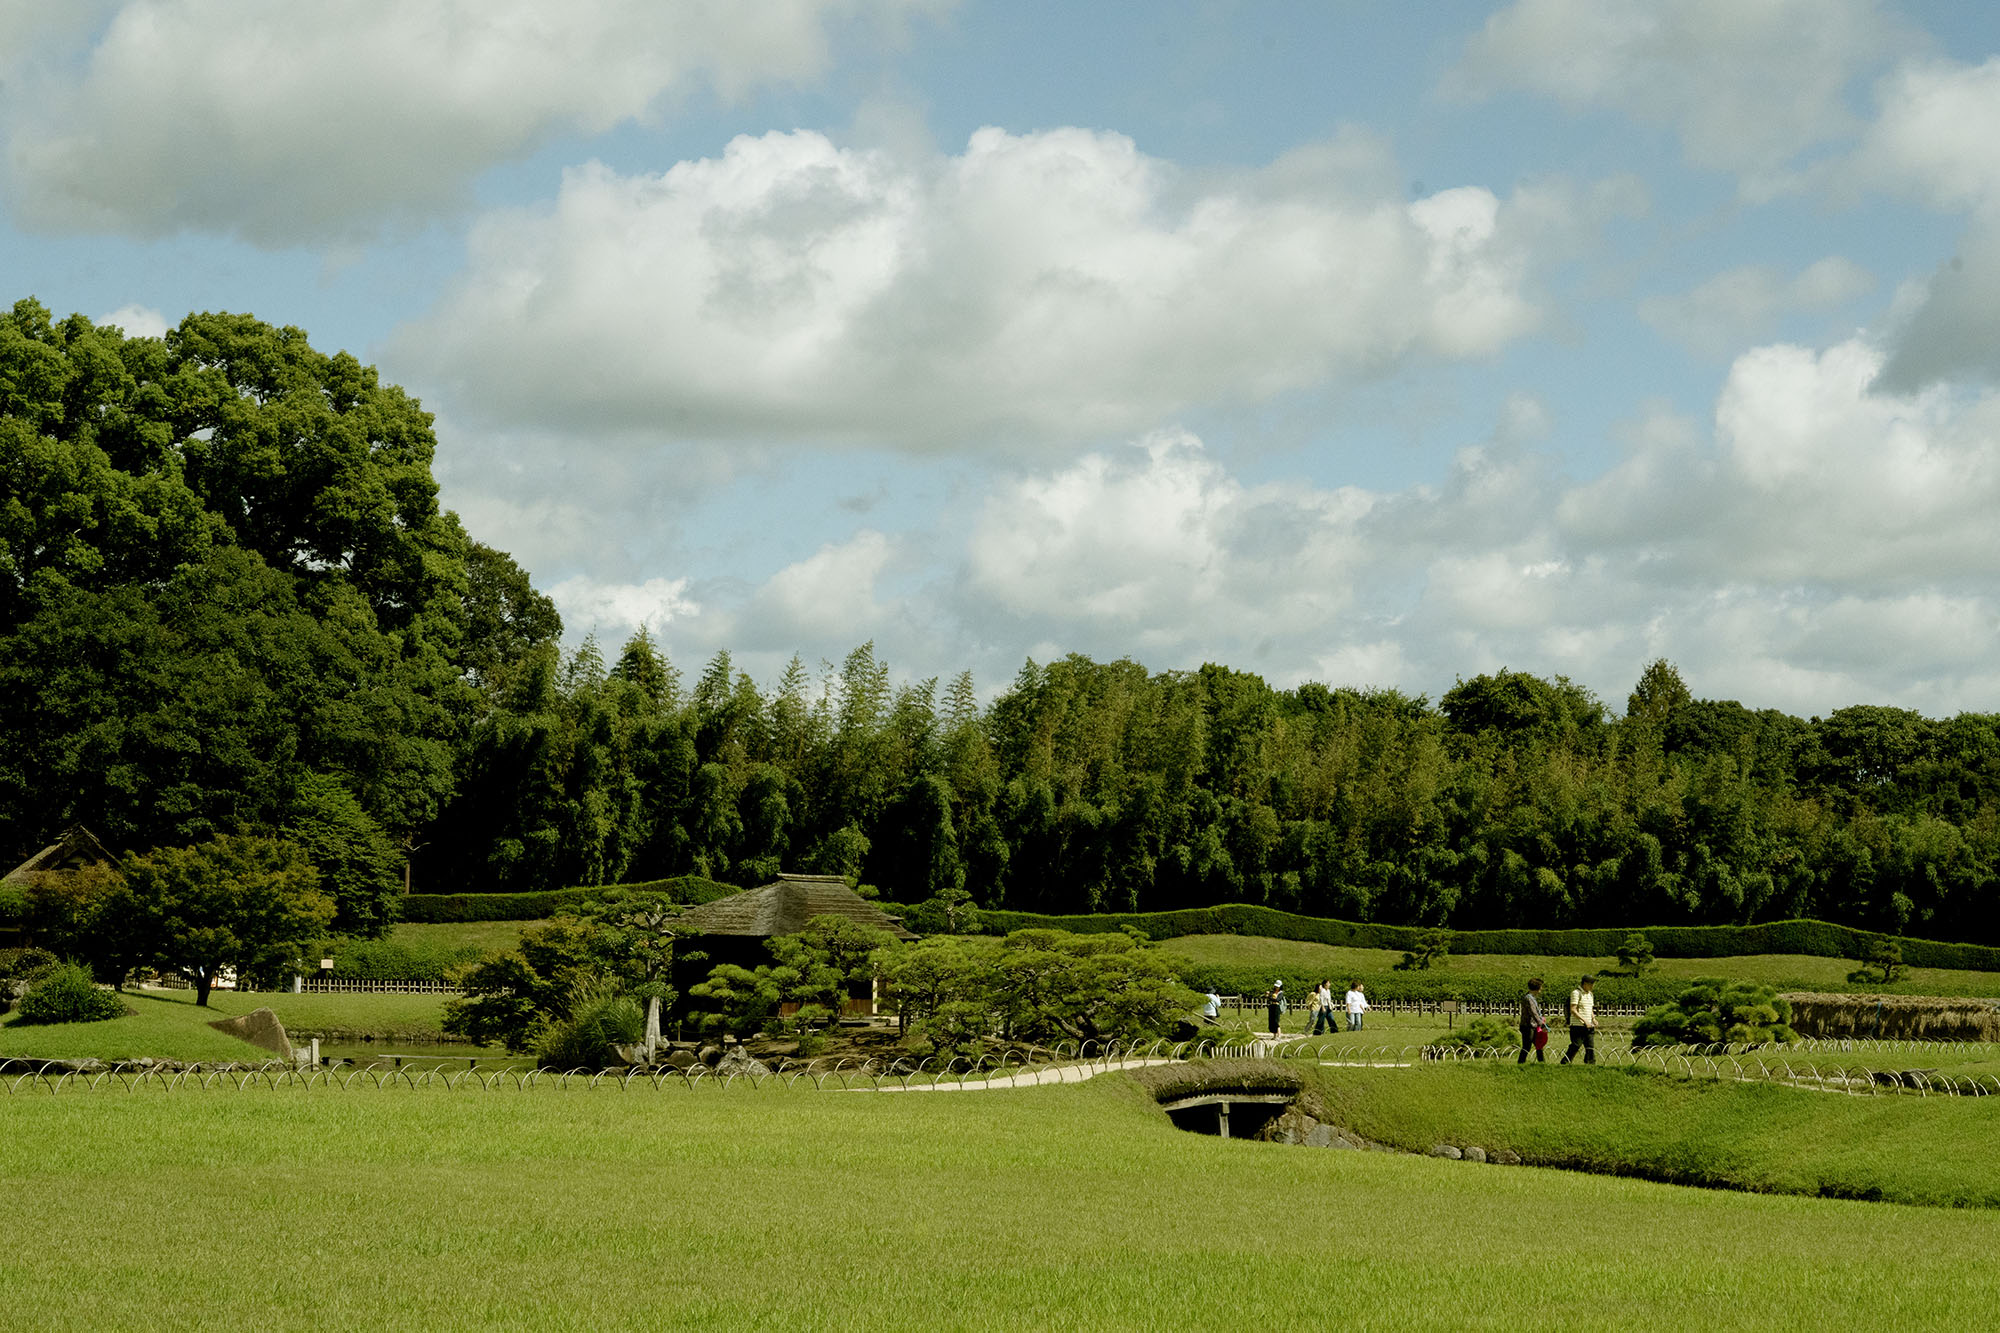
(308, 122)
(138, 321)
(826, 598)
(1747, 84)
(1741, 305)
(1933, 134)
(1822, 544)
(1160, 541)
(1061, 282)
(587, 604)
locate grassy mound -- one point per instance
(169, 1025)
(1071, 1207)
(1745, 1136)
(1246, 964)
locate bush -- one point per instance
(588, 1038)
(396, 960)
(1741, 1013)
(1430, 949)
(432, 908)
(20, 969)
(1482, 1032)
(1635, 955)
(1883, 965)
(66, 994)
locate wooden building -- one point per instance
(737, 929)
(76, 848)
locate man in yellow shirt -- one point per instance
(1582, 1022)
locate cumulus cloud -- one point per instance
(138, 321)
(1160, 541)
(1747, 85)
(1933, 140)
(1818, 544)
(588, 604)
(308, 122)
(1062, 282)
(1742, 305)
(828, 597)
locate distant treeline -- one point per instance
(230, 602)
(1089, 787)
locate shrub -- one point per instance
(590, 1036)
(1738, 1012)
(1635, 955)
(1429, 950)
(398, 960)
(66, 994)
(1483, 1031)
(1883, 964)
(20, 969)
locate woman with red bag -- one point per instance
(1534, 1032)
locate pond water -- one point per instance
(452, 1055)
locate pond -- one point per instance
(422, 1055)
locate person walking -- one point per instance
(1327, 1008)
(1534, 1029)
(1274, 1004)
(1357, 1006)
(1317, 1007)
(1582, 1022)
(1211, 1009)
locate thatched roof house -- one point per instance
(76, 848)
(783, 907)
(738, 928)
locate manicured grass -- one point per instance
(1049, 1208)
(486, 936)
(1756, 1136)
(1786, 971)
(169, 1025)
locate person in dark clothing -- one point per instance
(1275, 1004)
(1533, 1025)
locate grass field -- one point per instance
(1786, 971)
(169, 1025)
(1754, 1136)
(482, 935)
(1051, 1208)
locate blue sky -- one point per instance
(1374, 344)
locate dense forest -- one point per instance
(230, 603)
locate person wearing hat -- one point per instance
(1275, 1004)
(1582, 1022)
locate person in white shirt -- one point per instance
(1211, 1009)
(1582, 1022)
(1357, 1005)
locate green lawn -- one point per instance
(1070, 1207)
(169, 1025)
(487, 936)
(1758, 1136)
(1786, 971)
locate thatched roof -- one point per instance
(77, 847)
(783, 907)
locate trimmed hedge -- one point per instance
(433, 908)
(395, 960)
(1819, 939)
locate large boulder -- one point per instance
(259, 1027)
